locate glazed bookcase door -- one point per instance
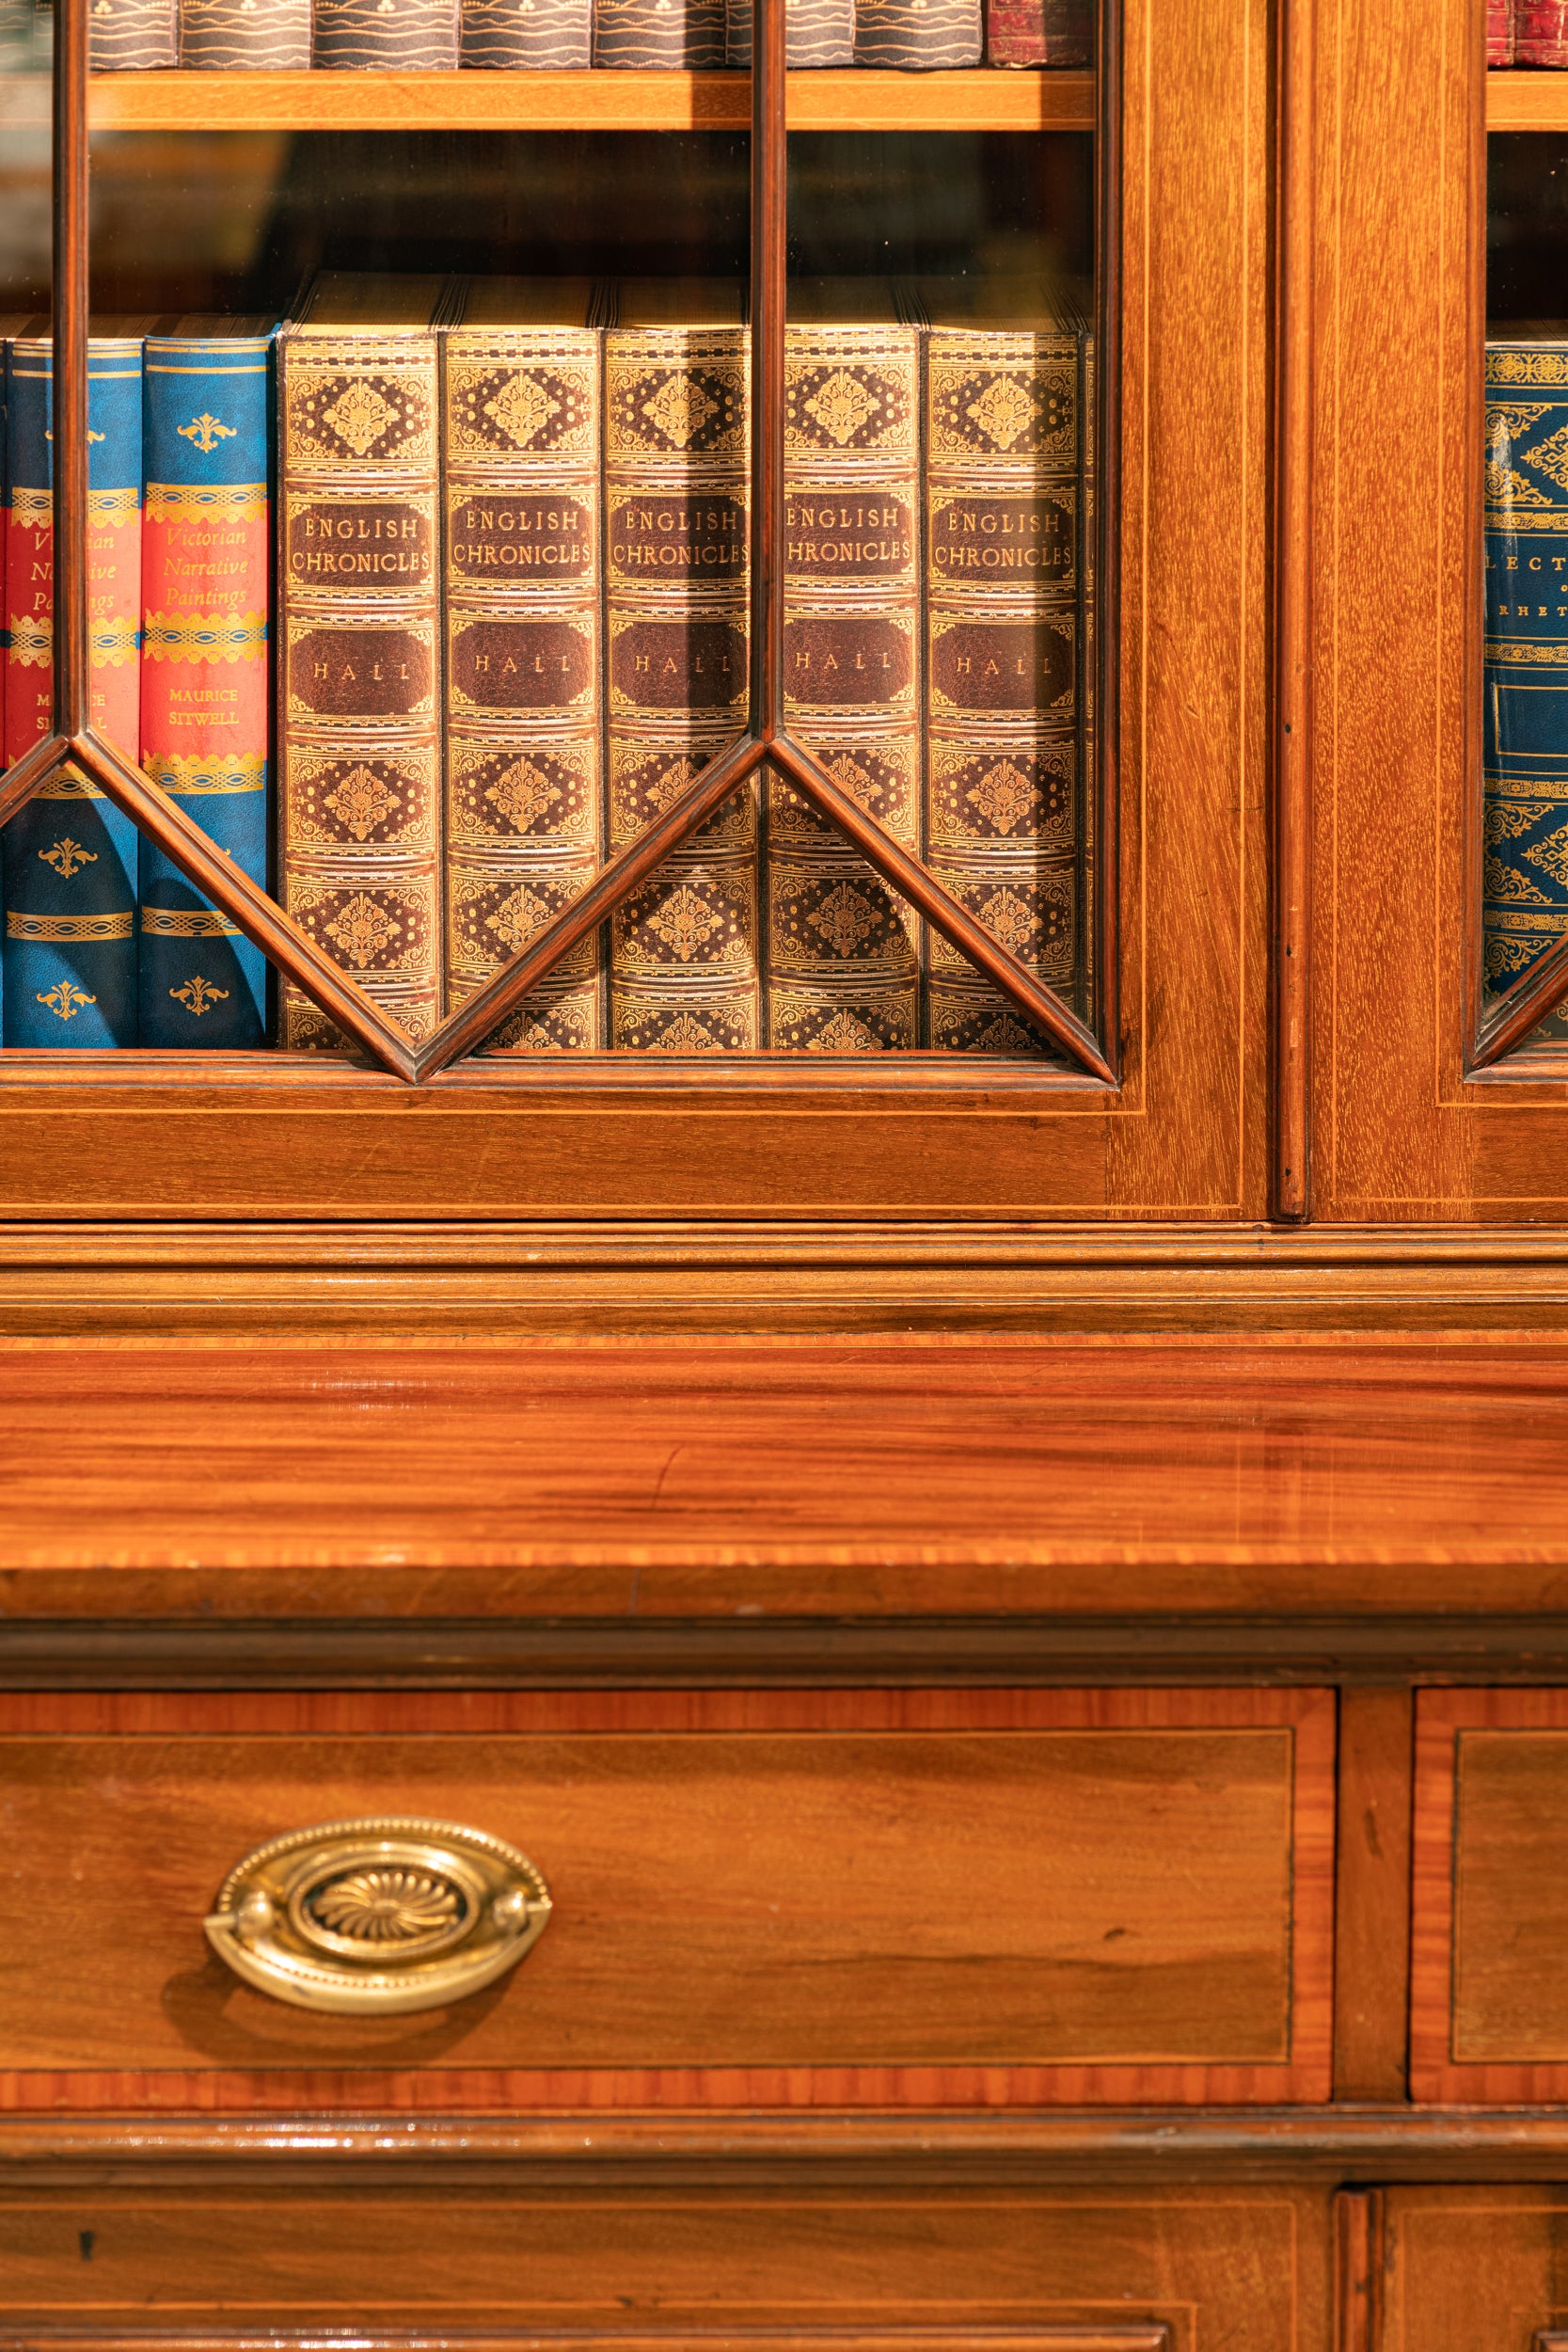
(1438, 1071)
(1122, 1073)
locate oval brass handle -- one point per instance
(378, 1917)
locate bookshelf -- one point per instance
(1527, 102)
(978, 100)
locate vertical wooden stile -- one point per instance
(1291, 927)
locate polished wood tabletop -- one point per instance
(727, 1478)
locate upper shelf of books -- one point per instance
(573, 101)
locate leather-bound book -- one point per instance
(1500, 36)
(676, 34)
(1525, 887)
(817, 33)
(683, 946)
(359, 668)
(244, 35)
(385, 36)
(1541, 32)
(524, 770)
(204, 672)
(70, 856)
(132, 36)
(513, 35)
(918, 36)
(843, 950)
(1039, 32)
(1004, 495)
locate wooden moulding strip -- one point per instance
(1527, 102)
(978, 100)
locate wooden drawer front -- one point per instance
(1472, 2270)
(812, 1898)
(717, 2269)
(1489, 1993)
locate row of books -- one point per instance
(1525, 725)
(1527, 32)
(512, 567)
(432, 36)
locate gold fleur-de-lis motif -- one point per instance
(199, 996)
(361, 800)
(522, 792)
(845, 919)
(1003, 411)
(1009, 919)
(686, 922)
(517, 918)
(66, 1000)
(843, 1034)
(680, 408)
(206, 432)
(686, 1036)
(363, 931)
(841, 406)
(522, 410)
(1002, 794)
(66, 855)
(359, 416)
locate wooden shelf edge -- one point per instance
(1527, 102)
(982, 99)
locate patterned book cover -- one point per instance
(1039, 32)
(671, 35)
(1541, 32)
(385, 36)
(918, 36)
(524, 772)
(1003, 506)
(1499, 32)
(817, 33)
(843, 955)
(244, 35)
(204, 676)
(69, 856)
(132, 36)
(684, 951)
(359, 689)
(521, 35)
(1526, 730)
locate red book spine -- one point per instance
(1499, 32)
(1039, 32)
(1541, 32)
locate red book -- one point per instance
(1499, 32)
(1540, 32)
(1039, 32)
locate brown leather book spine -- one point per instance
(385, 36)
(685, 35)
(842, 949)
(817, 33)
(1039, 32)
(684, 975)
(359, 691)
(244, 35)
(1004, 613)
(918, 36)
(132, 36)
(1499, 33)
(523, 765)
(1540, 32)
(526, 36)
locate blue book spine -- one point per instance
(1526, 739)
(204, 710)
(68, 968)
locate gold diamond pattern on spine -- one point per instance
(684, 962)
(1006, 610)
(359, 692)
(842, 949)
(524, 795)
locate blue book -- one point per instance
(1526, 739)
(68, 966)
(204, 700)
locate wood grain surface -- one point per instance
(1476, 2271)
(883, 1898)
(646, 1481)
(1371, 1967)
(1489, 2018)
(1245, 2267)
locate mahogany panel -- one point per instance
(1489, 2018)
(812, 1898)
(1476, 2270)
(1243, 2267)
(637, 1480)
(1372, 1970)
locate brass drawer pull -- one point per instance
(378, 1917)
